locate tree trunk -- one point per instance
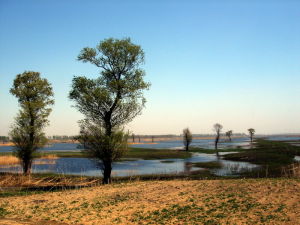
(187, 147)
(216, 145)
(107, 172)
(27, 166)
(216, 142)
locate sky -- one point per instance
(231, 62)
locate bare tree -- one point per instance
(133, 138)
(217, 128)
(228, 134)
(187, 138)
(251, 133)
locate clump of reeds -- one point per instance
(292, 170)
(50, 156)
(9, 160)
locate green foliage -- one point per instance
(116, 97)
(111, 100)
(101, 146)
(35, 97)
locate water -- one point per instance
(54, 147)
(88, 167)
(172, 144)
(201, 143)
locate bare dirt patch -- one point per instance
(263, 201)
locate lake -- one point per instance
(87, 167)
(172, 144)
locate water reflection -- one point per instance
(88, 167)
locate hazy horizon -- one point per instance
(233, 63)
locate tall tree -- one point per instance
(35, 97)
(116, 96)
(251, 133)
(228, 134)
(187, 138)
(217, 128)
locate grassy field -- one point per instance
(240, 201)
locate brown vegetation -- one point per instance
(271, 201)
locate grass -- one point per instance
(213, 151)
(167, 161)
(8, 160)
(239, 201)
(149, 154)
(271, 155)
(208, 165)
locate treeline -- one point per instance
(4, 139)
(61, 137)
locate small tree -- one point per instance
(228, 134)
(114, 98)
(251, 133)
(187, 138)
(35, 98)
(133, 138)
(217, 128)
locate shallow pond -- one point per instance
(88, 167)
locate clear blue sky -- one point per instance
(232, 62)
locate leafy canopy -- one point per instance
(35, 97)
(116, 97)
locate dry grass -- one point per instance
(20, 181)
(9, 160)
(292, 170)
(264, 201)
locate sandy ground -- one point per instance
(265, 201)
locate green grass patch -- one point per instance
(208, 165)
(148, 154)
(213, 151)
(167, 161)
(271, 155)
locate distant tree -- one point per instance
(152, 139)
(133, 138)
(139, 137)
(228, 134)
(35, 97)
(4, 139)
(113, 99)
(251, 133)
(187, 138)
(217, 128)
